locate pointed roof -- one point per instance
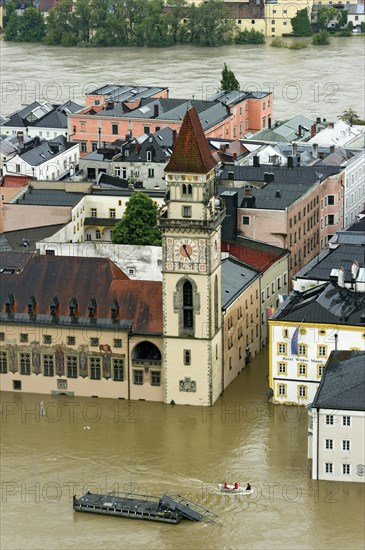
(191, 153)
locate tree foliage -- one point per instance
(325, 15)
(301, 24)
(28, 27)
(350, 116)
(229, 81)
(250, 37)
(138, 224)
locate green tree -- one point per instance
(153, 30)
(325, 15)
(31, 26)
(83, 20)
(250, 37)
(301, 24)
(12, 28)
(321, 39)
(177, 12)
(362, 26)
(138, 224)
(349, 115)
(10, 8)
(229, 81)
(61, 25)
(211, 25)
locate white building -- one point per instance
(354, 188)
(336, 435)
(48, 160)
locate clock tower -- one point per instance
(190, 223)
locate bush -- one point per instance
(362, 26)
(321, 39)
(298, 45)
(278, 43)
(250, 37)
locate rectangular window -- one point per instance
(302, 391)
(329, 468)
(146, 130)
(3, 362)
(94, 212)
(71, 340)
(322, 351)
(329, 419)
(117, 342)
(83, 147)
(138, 377)
(245, 220)
(95, 367)
(47, 339)
(282, 368)
(94, 342)
(346, 421)
(115, 129)
(97, 234)
(346, 469)
(281, 349)
(118, 370)
(330, 219)
(346, 445)
(25, 363)
(262, 296)
(2, 336)
(71, 366)
(112, 213)
(329, 444)
(94, 146)
(48, 365)
(278, 283)
(302, 350)
(285, 279)
(155, 378)
(151, 172)
(282, 389)
(331, 199)
(148, 156)
(187, 356)
(320, 370)
(23, 338)
(186, 211)
(302, 370)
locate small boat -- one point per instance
(167, 509)
(234, 491)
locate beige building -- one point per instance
(336, 435)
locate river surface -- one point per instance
(153, 449)
(316, 81)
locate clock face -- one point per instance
(185, 251)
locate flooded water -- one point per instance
(316, 81)
(154, 449)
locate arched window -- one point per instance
(188, 315)
(216, 305)
(190, 189)
(184, 189)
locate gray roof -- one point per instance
(45, 115)
(232, 97)
(235, 278)
(327, 303)
(50, 197)
(126, 92)
(286, 131)
(343, 256)
(343, 382)
(26, 239)
(47, 150)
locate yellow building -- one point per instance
(278, 14)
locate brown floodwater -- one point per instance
(152, 448)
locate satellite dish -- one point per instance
(360, 469)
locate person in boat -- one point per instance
(248, 488)
(235, 485)
(225, 486)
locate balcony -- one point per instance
(147, 363)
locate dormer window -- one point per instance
(53, 307)
(31, 305)
(92, 308)
(149, 156)
(114, 309)
(73, 307)
(9, 304)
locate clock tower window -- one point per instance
(188, 314)
(187, 189)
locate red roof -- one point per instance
(15, 181)
(254, 257)
(191, 153)
(84, 278)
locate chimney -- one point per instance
(332, 149)
(256, 161)
(313, 130)
(109, 105)
(341, 277)
(294, 148)
(355, 270)
(156, 110)
(315, 150)
(268, 177)
(290, 161)
(234, 156)
(298, 160)
(36, 141)
(300, 130)
(174, 138)
(318, 120)
(331, 124)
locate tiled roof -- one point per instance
(49, 197)
(258, 255)
(343, 382)
(191, 153)
(235, 278)
(15, 181)
(66, 277)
